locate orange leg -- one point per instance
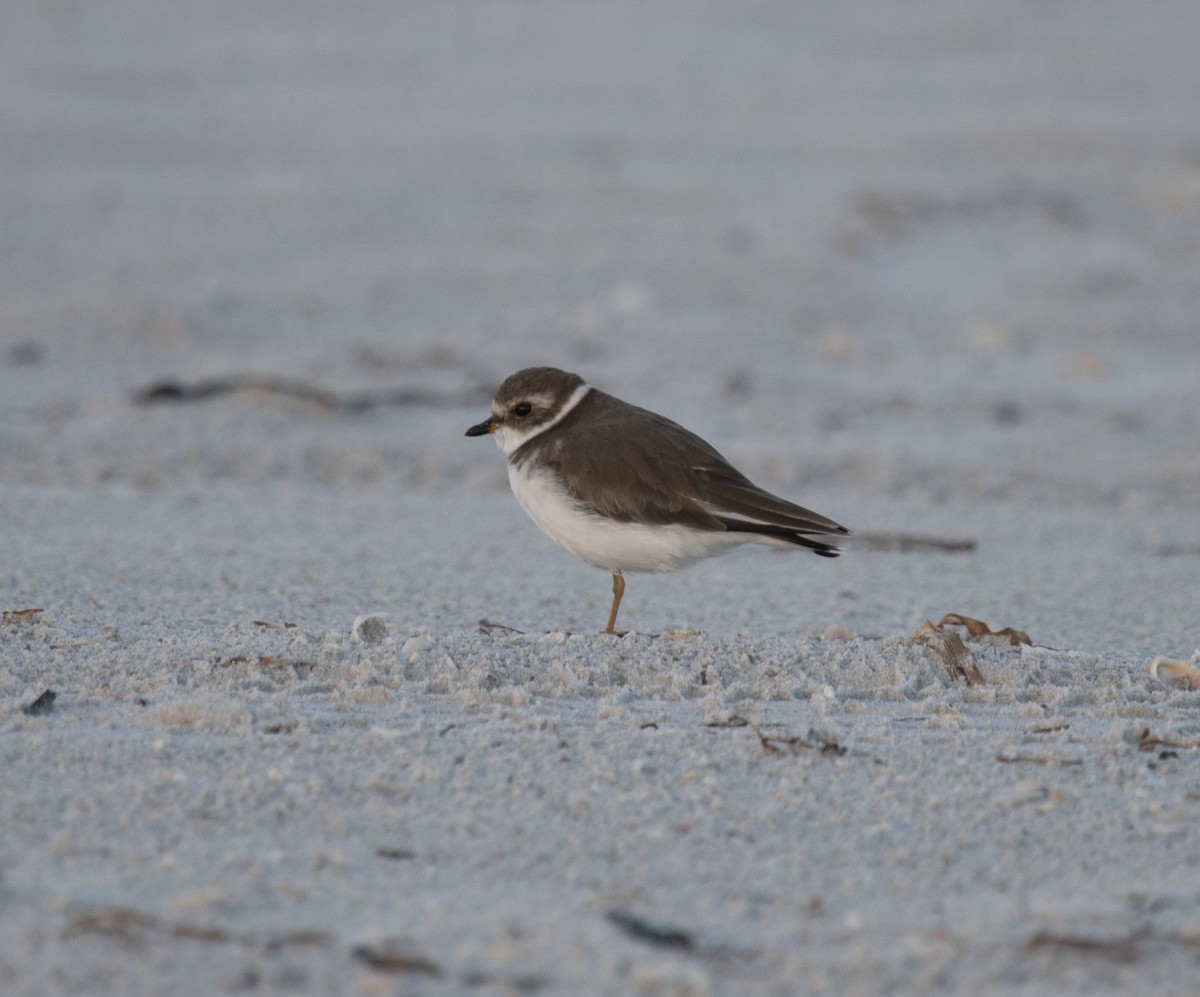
(618, 591)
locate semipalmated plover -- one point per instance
(626, 489)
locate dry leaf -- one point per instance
(1183, 671)
(979, 631)
(950, 650)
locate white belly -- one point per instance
(606, 543)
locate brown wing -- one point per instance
(632, 464)
(731, 494)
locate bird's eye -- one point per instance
(523, 409)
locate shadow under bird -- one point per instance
(627, 489)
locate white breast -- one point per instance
(607, 543)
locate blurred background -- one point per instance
(894, 259)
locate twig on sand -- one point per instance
(905, 543)
(1123, 948)
(487, 626)
(1148, 742)
(1036, 760)
(641, 930)
(177, 392)
(131, 925)
(775, 744)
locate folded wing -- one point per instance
(663, 473)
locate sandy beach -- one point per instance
(294, 698)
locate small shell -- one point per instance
(371, 628)
(1180, 671)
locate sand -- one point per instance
(331, 716)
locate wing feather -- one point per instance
(663, 473)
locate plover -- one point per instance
(627, 489)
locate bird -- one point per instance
(628, 490)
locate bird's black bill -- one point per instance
(482, 429)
